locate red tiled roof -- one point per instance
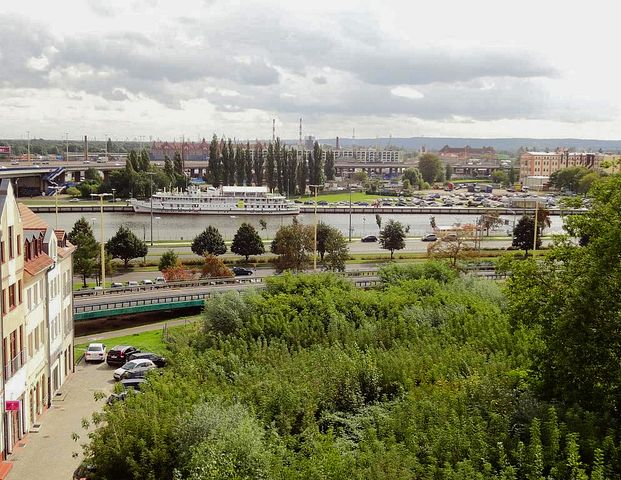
(31, 220)
(60, 235)
(38, 264)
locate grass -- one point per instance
(151, 341)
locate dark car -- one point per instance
(369, 238)
(154, 357)
(119, 355)
(84, 472)
(322, 203)
(134, 383)
(242, 271)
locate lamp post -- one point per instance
(56, 190)
(151, 198)
(349, 188)
(101, 232)
(113, 199)
(316, 187)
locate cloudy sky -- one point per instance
(163, 68)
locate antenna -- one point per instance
(273, 129)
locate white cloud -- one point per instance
(382, 67)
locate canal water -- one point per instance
(186, 227)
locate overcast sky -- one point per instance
(163, 69)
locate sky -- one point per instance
(162, 69)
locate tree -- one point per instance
(80, 226)
(329, 169)
(303, 174)
(109, 145)
(378, 220)
(490, 221)
(511, 176)
(414, 176)
(454, 248)
(126, 246)
(572, 297)
(336, 251)
(568, 178)
(168, 259)
(448, 172)
(431, 168)
(93, 175)
(247, 242)
(86, 254)
(240, 165)
(215, 268)
(169, 169)
(248, 164)
(258, 162)
(524, 234)
(316, 167)
(214, 167)
(293, 244)
(177, 273)
(209, 241)
(270, 169)
(499, 176)
(392, 237)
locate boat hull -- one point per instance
(224, 211)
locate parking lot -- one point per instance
(54, 443)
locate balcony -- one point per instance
(15, 364)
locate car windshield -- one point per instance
(95, 348)
(130, 366)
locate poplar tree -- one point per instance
(328, 169)
(258, 163)
(270, 168)
(240, 164)
(303, 174)
(279, 164)
(248, 164)
(292, 172)
(214, 167)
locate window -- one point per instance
(4, 300)
(12, 296)
(11, 250)
(19, 245)
(29, 295)
(2, 251)
(19, 290)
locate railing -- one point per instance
(120, 303)
(15, 364)
(203, 282)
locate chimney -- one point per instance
(337, 143)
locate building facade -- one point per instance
(535, 164)
(37, 317)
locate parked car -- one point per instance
(139, 372)
(116, 285)
(132, 283)
(133, 383)
(118, 355)
(146, 281)
(160, 280)
(369, 238)
(241, 271)
(154, 357)
(121, 372)
(451, 237)
(322, 203)
(84, 472)
(95, 352)
(430, 237)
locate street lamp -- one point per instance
(316, 187)
(151, 198)
(101, 231)
(56, 189)
(113, 199)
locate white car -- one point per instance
(146, 281)
(119, 373)
(95, 352)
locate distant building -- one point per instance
(187, 150)
(459, 155)
(535, 164)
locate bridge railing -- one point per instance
(196, 283)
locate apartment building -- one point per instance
(535, 164)
(36, 316)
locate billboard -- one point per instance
(5, 149)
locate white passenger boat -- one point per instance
(217, 201)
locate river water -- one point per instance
(186, 227)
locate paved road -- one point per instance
(48, 453)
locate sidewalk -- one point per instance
(49, 453)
